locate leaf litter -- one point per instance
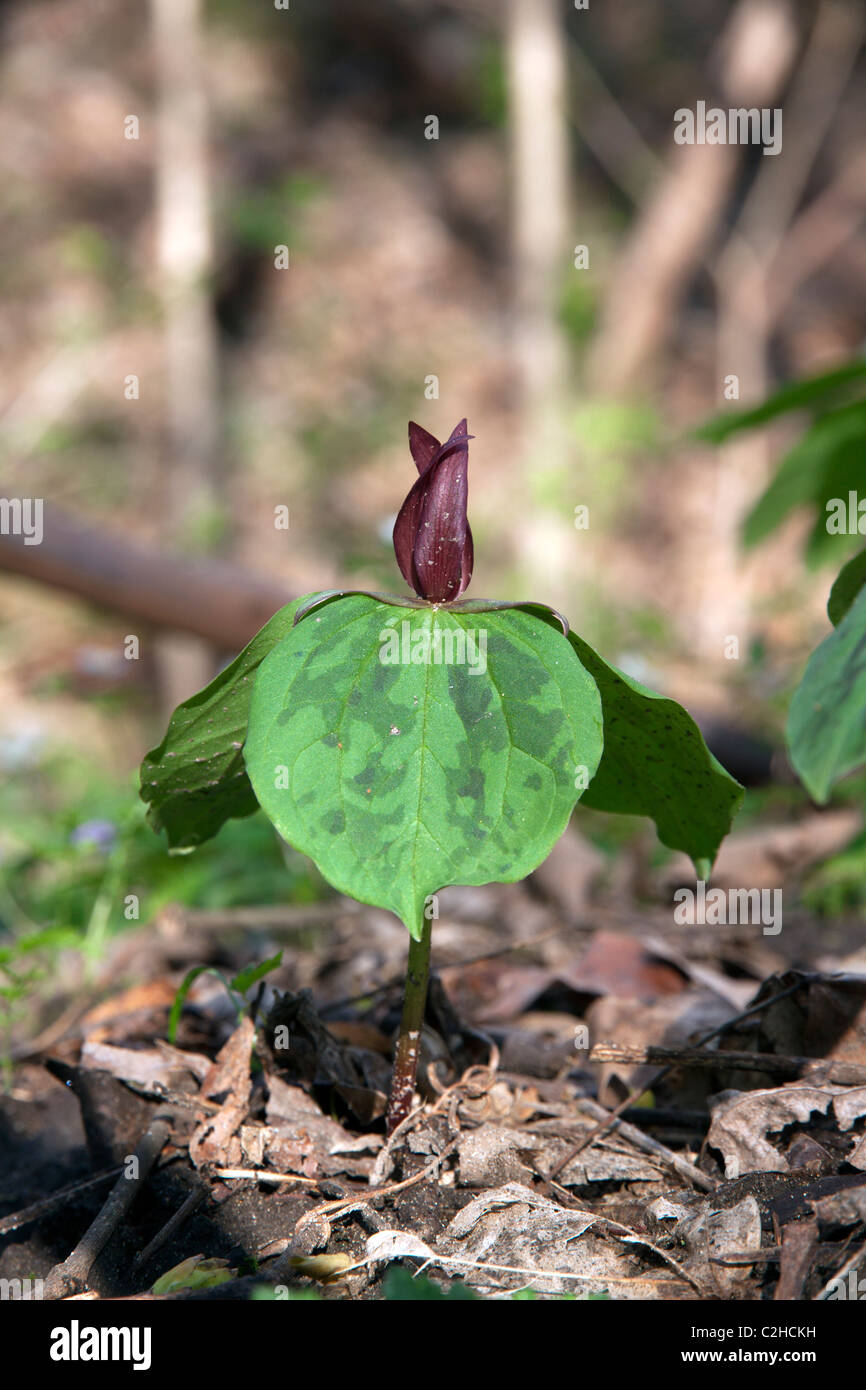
(671, 1170)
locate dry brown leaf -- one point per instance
(743, 1120)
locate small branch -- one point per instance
(648, 1145)
(71, 1276)
(634, 1096)
(842, 1073)
(193, 1200)
(37, 1210)
(342, 1206)
(263, 1175)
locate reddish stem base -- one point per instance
(409, 1040)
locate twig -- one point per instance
(649, 1145)
(625, 1233)
(634, 1096)
(71, 1275)
(342, 1206)
(843, 1073)
(47, 1205)
(174, 1223)
(264, 1175)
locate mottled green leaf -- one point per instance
(196, 779)
(848, 584)
(401, 778)
(655, 763)
(827, 720)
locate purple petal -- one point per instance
(422, 446)
(432, 539)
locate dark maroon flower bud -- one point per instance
(432, 539)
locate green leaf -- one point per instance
(251, 975)
(655, 763)
(827, 720)
(196, 780)
(848, 584)
(186, 984)
(825, 464)
(50, 938)
(799, 395)
(400, 778)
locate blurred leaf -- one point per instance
(838, 886)
(815, 391)
(825, 464)
(827, 721)
(491, 87)
(53, 938)
(401, 1286)
(848, 584)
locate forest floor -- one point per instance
(587, 1124)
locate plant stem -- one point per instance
(409, 1040)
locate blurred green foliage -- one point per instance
(578, 307)
(401, 1286)
(265, 217)
(826, 464)
(490, 84)
(838, 886)
(75, 848)
(50, 879)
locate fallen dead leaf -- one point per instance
(216, 1139)
(743, 1120)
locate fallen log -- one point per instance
(220, 602)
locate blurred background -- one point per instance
(243, 245)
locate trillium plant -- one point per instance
(411, 742)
